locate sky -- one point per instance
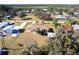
(39, 1)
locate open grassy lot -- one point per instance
(26, 37)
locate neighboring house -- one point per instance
(76, 13)
(75, 27)
(56, 13)
(7, 16)
(45, 10)
(26, 11)
(61, 17)
(46, 16)
(22, 13)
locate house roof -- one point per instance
(45, 9)
(76, 13)
(8, 27)
(7, 16)
(75, 26)
(3, 24)
(16, 27)
(61, 16)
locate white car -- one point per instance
(50, 35)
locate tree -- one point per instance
(55, 22)
(37, 12)
(5, 7)
(69, 22)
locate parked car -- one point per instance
(50, 33)
(42, 31)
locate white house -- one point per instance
(75, 27)
(57, 13)
(76, 13)
(61, 17)
(45, 9)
